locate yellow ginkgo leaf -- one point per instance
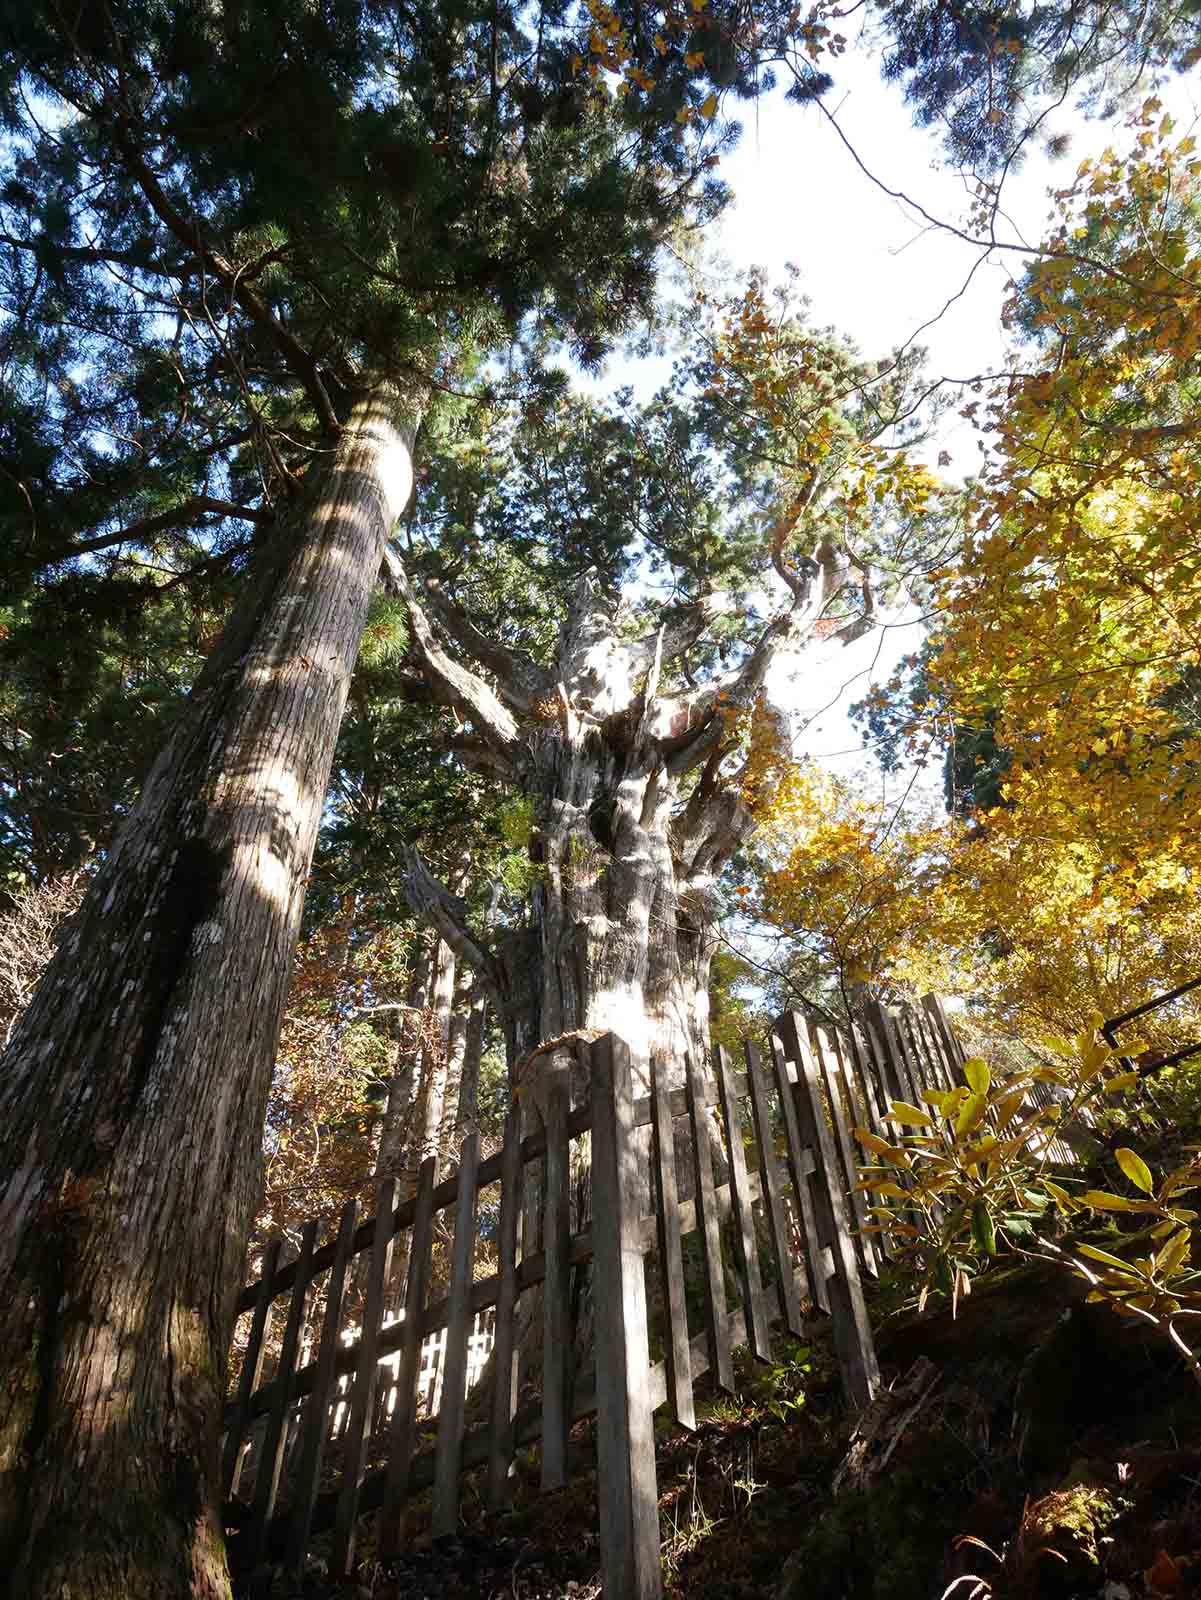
(709, 108)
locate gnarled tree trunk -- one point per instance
(633, 823)
(638, 803)
(132, 1094)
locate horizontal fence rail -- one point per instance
(385, 1361)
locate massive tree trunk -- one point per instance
(133, 1091)
(639, 799)
(623, 931)
(634, 819)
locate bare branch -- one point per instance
(447, 914)
(453, 684)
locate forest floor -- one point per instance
(1052, 1452)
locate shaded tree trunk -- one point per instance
(134, 1088)
(395, 1127)
(435, 1060)
(468, 1105)
(456, 1055)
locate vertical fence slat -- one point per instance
(404, 1417)
(316, 1417)
(943, 1071)
(252, 1367)
(937, 1075)
(444, 1517)
(852, 1331)
(667, 1216)
(267, 1483)
(556, 1287)
(892, 1082)
(626, 1484)
(902, 1055)
(865, 1080)
(929, 1064)
(504, 1391)
(876, 1069)
(744, 1218)
(800, 1165)
(845, 1114)
(871, 1072)
(921, 1067)
(773, 1198)
(921, 1071)
(955, 1051)
(716, 1322)
(888, 1038)
(362, 1396)
(865, 1076)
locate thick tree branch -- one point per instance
(713, 825)
(89, 255)
(179, 516)
(645, 721)
(683, 627)
(447, 914)
(736, 690)
(454, 685)
(480, 757)
(865, 621)
(520, 680)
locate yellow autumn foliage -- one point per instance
(1070, 627)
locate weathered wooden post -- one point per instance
(627, 1492)
(852, 1331)
(557, 1352)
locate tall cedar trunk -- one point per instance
(473, 1053)
(456, 1055)
(396, 1122)
(615, 949)
(620, 947)
(436, 1059)
(134, 1089)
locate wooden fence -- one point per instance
(313, 1445)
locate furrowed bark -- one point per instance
(132, 1094)
(436, 1062)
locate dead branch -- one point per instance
(453, 684)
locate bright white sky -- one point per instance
(873, 269)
